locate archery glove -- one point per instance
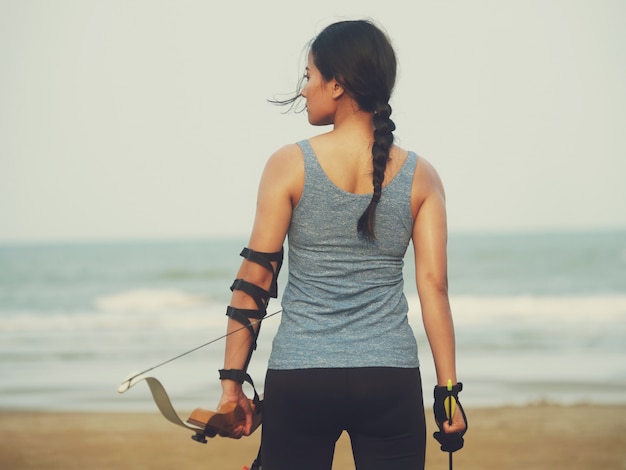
(453, 441)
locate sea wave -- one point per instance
(182, 274)
(104, 321)
(563, 308)
(155, 309)
(149, 300)
(179, 310)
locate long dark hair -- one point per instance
(360, 57)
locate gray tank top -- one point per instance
(344, 304)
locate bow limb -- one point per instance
(204, 423)
(163, 402)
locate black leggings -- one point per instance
(306, 410)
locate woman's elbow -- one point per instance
(432, 284)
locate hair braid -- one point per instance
(383, 140)
(359, 55)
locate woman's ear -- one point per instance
(338, 90)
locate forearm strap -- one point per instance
(265, 260)
(260, 296)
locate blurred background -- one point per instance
(133, 134)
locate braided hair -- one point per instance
(383, 139)
(361, 58)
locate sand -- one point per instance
(533, 437)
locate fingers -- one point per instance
(238, 411)
(248, 427)
(234, 431)
(245, 428)
(452, 428)
(458, 424)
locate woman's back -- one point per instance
(344, 297)
(347, 161)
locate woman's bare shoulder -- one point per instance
(289, 154)
(285, 169)
(426, 176)
(427, 185)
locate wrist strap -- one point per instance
(240, 376)
(442, 392)
(237, 375)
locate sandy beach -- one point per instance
(541, 436)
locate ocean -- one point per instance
(539, 317)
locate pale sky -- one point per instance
(149, 119)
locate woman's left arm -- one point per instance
(430, 245)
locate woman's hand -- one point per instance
(458, 423)
(451, 431)
(232, 392)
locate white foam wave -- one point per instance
(149, 300)
(206, 315)
(173, 310)
(470, 309)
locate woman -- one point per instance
(350, 201)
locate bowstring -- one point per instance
(214, 340)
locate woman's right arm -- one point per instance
(279, 192)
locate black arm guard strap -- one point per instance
(265, 259)
(240, 376)
(454, 441)
(260, 296)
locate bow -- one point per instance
(203, 423)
